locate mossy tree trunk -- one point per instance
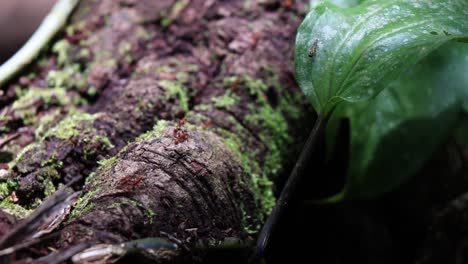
(175, 116)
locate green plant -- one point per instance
(407, 48)
(397, 70)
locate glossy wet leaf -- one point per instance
(394, 134)
(351, 54)
(340, 3)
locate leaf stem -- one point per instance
(288, 190)
(54, 21)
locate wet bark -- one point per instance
(177, 116)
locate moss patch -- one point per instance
(68, 127)
(69, 77)
(83, 204)
(225, 101)
(261, 184)
(7, 187)
(160, 126)
(25, 108)
(14, 209)
(177, 90)
(270, 119)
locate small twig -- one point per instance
(288, 190)
(52, 24)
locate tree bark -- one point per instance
(175, 117)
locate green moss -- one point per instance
(124, 50)
(104, 140)
(24, 106)
(273, 132)
(75, 28)
(49, 96)
(68, 127)
(69, 77)
(49, 187)
(14, 209)
(177, 90)
(160, 126)
(174, 13)
(225, 101)
(145, 35)
(84, 54)
(52, 162)
(83, 204)
(107, 162)
(261, 184)
(7, 187)
(249, 228)
(21, 154)
(112, 63)
(204, 107)
(45, 121)
(90, 177)
(4, 190)
(62, 49)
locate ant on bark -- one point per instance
(180, 134)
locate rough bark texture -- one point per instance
(177, 116)
(214, 78)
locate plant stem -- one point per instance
(291, 185)
(48, 28)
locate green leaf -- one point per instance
(393, 135)
(359, 50)
(340, 3)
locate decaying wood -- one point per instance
(179, 115)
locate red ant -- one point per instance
(180, 134)
(129, 182)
